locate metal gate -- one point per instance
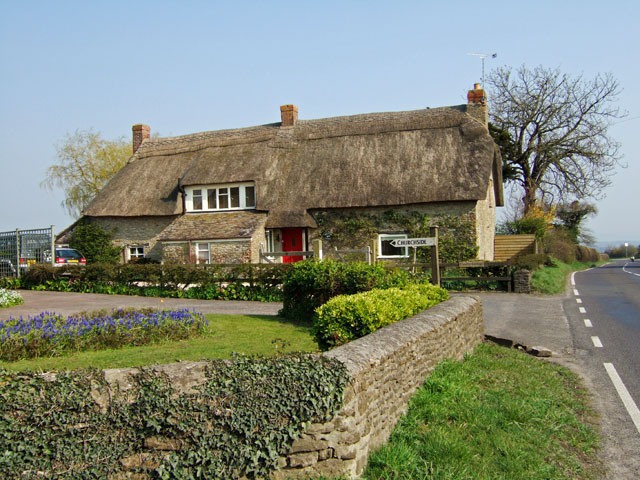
(21, 248)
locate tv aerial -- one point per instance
(483, 56)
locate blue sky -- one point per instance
(190, 66)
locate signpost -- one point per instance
(415, 242)
(424, 242)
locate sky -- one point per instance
(192, 66)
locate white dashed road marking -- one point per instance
(578, 300)
(596, 342)
(587, 323)
(628, 402)
(583, 310)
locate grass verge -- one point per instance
(249, 334)
(499, 414)
(550, 280)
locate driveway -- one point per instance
(69, 303)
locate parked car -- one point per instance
(68, 256)
(7, 268)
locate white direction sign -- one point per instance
(415, 242)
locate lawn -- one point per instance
(499, 414)
(248, 334)
(550, 280)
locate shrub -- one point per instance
(9, 298)
(586, 254)
(558, 244)
(347, 317)
(532, 261)
(94, 242)
(309, 284)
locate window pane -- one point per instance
(212, 199)
(202, 252)
(197, 199)
(388, 250)
(249, 197)
(223, 198)
(235, 197)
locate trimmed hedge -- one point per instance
(310, 283)
(347, 317)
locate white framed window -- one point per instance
(136, 253)
(387, 250)
(211, 198)
(203, 253)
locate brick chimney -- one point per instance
(140, 134)
(477, 104)
(477, 95)
(289, 114)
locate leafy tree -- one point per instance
(553, 130)
(94, 242)
(86, 162)
(572, 215)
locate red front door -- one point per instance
(292, 241)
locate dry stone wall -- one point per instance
(385, 369)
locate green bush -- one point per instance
(347, 317)
(94, 242)
(586, 254)
(526, 226)
(10, 298)
(558, 244)
(311, 283)
(532, 262)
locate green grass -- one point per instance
(499, 414)
(249, 334)
(553, 280)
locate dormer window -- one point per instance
(211, 198)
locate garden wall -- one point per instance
(385, 369)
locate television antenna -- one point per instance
(483, 56)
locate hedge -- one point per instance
(347, 317)
(310, 283)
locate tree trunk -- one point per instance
(529, 198)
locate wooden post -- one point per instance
(435, 263)
(316, 246)
(374, 251)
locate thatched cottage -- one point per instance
(220, 196)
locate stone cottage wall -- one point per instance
(136, 231)
(328, 219)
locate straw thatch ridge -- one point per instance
(375, 159)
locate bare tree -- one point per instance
(558, 144)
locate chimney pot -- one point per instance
(477, 95)
(289, 115)
(141, 133)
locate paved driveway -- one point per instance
(69, 303)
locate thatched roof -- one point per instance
(376, 159)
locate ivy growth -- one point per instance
(246, 414)
(456, 235)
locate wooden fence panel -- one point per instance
(510, 246)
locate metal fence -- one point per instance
(21, 248)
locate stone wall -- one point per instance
(385, 369)
(136, 231)
(329, 220)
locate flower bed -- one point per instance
(9, 298)
(49, 334)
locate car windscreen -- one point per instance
(69, 254)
